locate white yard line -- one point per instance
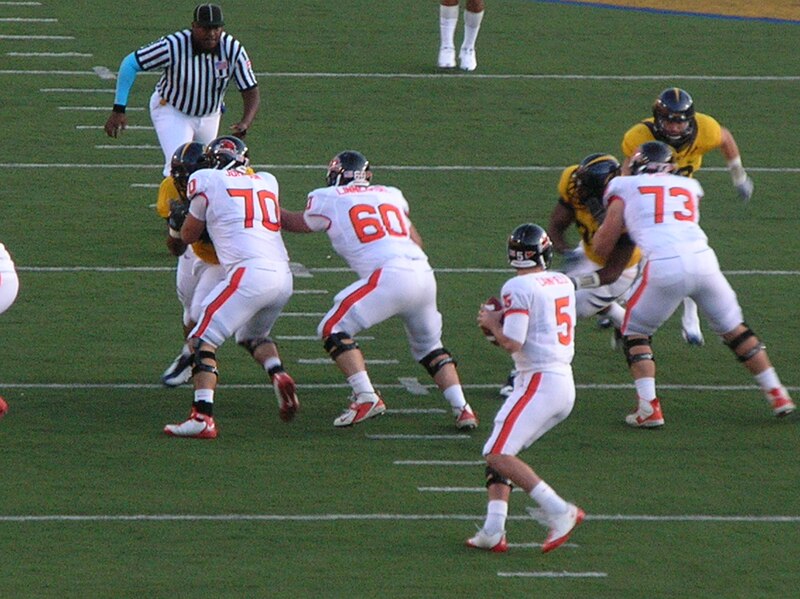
(746, 519)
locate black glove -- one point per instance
(177, 214)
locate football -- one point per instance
(491, 304)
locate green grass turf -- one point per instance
(81, 351)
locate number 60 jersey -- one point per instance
(242, 214)
(368, 225)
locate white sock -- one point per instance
(472, 24)
(271, 363)
(548, 499)
(454, 394)
(768, 379)
(646, 388)
(360, 383)
(206, 395)
(496, 514)
(448, 20)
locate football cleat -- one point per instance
(285, 391)
(694, 338)
(366, 405)
(561, 527)
(447, 58)
(508, 388)
(778, 398)
(495, 543)
(179, 372)
(648, 418)
(466, 419)
(198, 426)
(467, 59)
(616, 339)
(3, 407)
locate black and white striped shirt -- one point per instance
(195, 82)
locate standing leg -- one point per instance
(448, 21)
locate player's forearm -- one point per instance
(251, 99)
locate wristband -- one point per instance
(587, 281)
(175, 234)
(120, 108)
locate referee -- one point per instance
(198, 65)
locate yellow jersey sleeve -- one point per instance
(166, 193)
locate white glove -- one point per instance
(742, 183)
(745, 189)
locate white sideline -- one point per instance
(374, 517)
(551, 574)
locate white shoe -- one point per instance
(366, 405)
(447, 58)
(495, 543)
(179, 372)
(690, 324)
(198, 426)
(467, 59)
(562, 526)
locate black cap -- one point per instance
(208, 15)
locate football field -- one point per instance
(95, 501)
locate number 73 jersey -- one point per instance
(368, 225)
(241, 212)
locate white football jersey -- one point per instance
(539, 312)
(242, 214)
(662, 212)
(367, 225)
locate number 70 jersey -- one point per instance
(241, 212)
(368, 225)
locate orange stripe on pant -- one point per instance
(515, 412)
(635, 297)
(219, 301)
(350, 301)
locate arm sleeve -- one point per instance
(128, 69)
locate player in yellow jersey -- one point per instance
(198, 270)
(691, 135)
(599, 282)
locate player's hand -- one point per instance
(745, 189)
(177, 214)
(239, 130)
(115, 124)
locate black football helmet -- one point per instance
(348, 167)
(227, 152)
(674, 105)
(530, 246)
(653, 157)
(593, 174)
(188, 158)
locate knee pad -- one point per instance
(338, 343)
(628, 343)
(199, 365)
(493, 477)
(252, 344)
(433, 368)
(744, 336)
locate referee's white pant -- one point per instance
(174, 128)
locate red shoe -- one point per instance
(285, 391)
(651, 418)
(3, 407)
(562, 526)
(198, 426)
(366, 405)
(778, 398)
(466, 419)
(495, 543)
